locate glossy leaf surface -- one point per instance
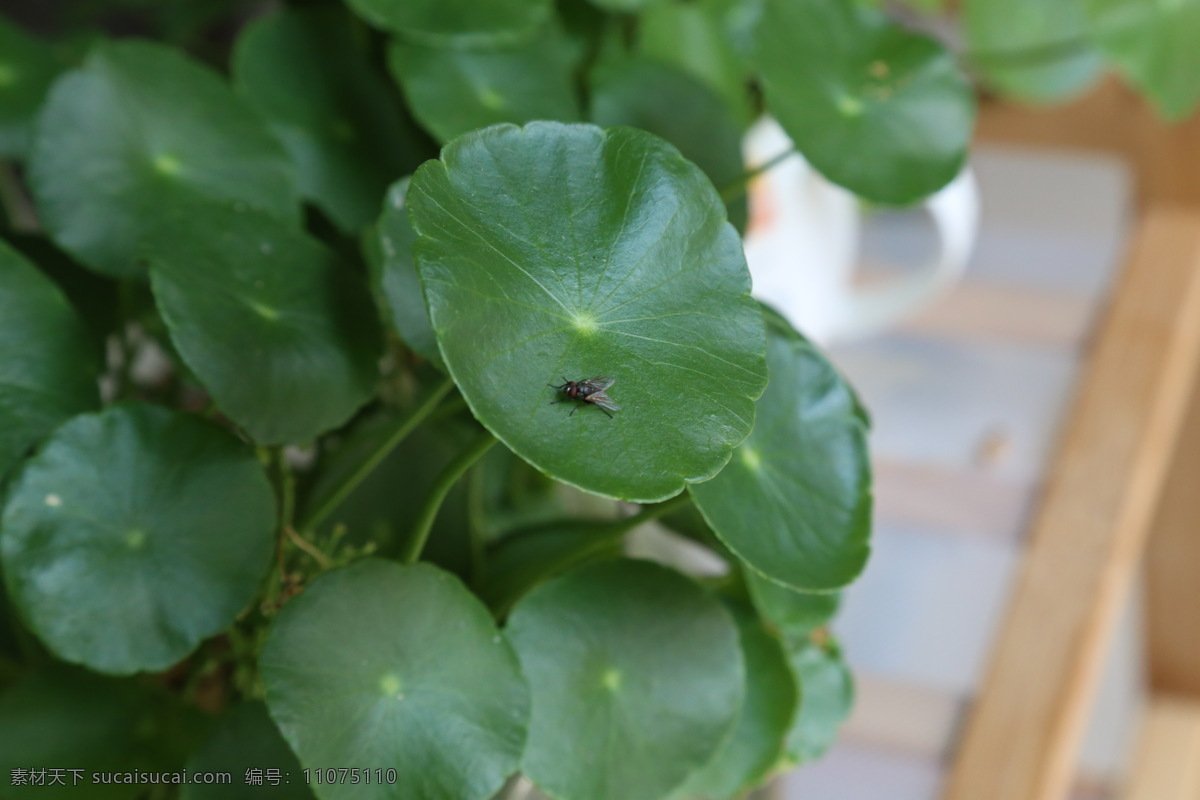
(455, 89)
(309, 74)
(794, 502)
(383, 666)
(280, 331)
(389, 250)
(633, 665)
(48, 362)
(134, 534)
(555, 252)
(827, 692)
(672, 104)
(134, 134)
(882, 111)
(772, 699)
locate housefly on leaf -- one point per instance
(591, 390)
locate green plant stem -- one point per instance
(738, 188)
(402, 428)
(20, 215)
(441, 487)
(287, 489)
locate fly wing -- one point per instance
(603, 400)
(600, 383)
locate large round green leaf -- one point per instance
(282, 333)
(694, 38)
(389, 251)
(882, 111)
(1032, 49)
(1156, 45)
(772, 697)
(48, 364)
(637, 679)
(249, 747)
(137, 131)
(827, 692)
(69, 723)
(383, 666)
(27, 68)
(481, 21)
(307, 71)
(564, 251)
(134, 534)
(795, 501)
(670, 103)
(454, 89)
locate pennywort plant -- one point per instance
(305, 310)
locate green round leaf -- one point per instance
(76, 722)
(1154, 44)
(282, 333)
(873, 107)
(672, 104)
(623, 6)
(134, 534)
(637, 679)
(827, 692)
(793, 614)
(27, 68)
(1035, 50)
(48, 363)
(564, 251)
(481, 21)
(694, 38)
(137, 131)
(389, 251)
(772, 697)
(453, 89)
(307, 71)
(795, 501)
(247, 745)
(383, 666)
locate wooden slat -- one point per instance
(1023, 734)
(1110, 119)
(1166, 765)
(1172, 559)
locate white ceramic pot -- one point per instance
(802, 246)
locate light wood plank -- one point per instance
(1024, 732)
(1167, 761)
(1172, 590)
(1111, 119)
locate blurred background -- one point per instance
(989, 385)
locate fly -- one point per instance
(591, 390)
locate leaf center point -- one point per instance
(751, 459)
(166, 164)
(611, 679)
(390, 685)
(135, 539)
(849, 106)
(585, 323)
